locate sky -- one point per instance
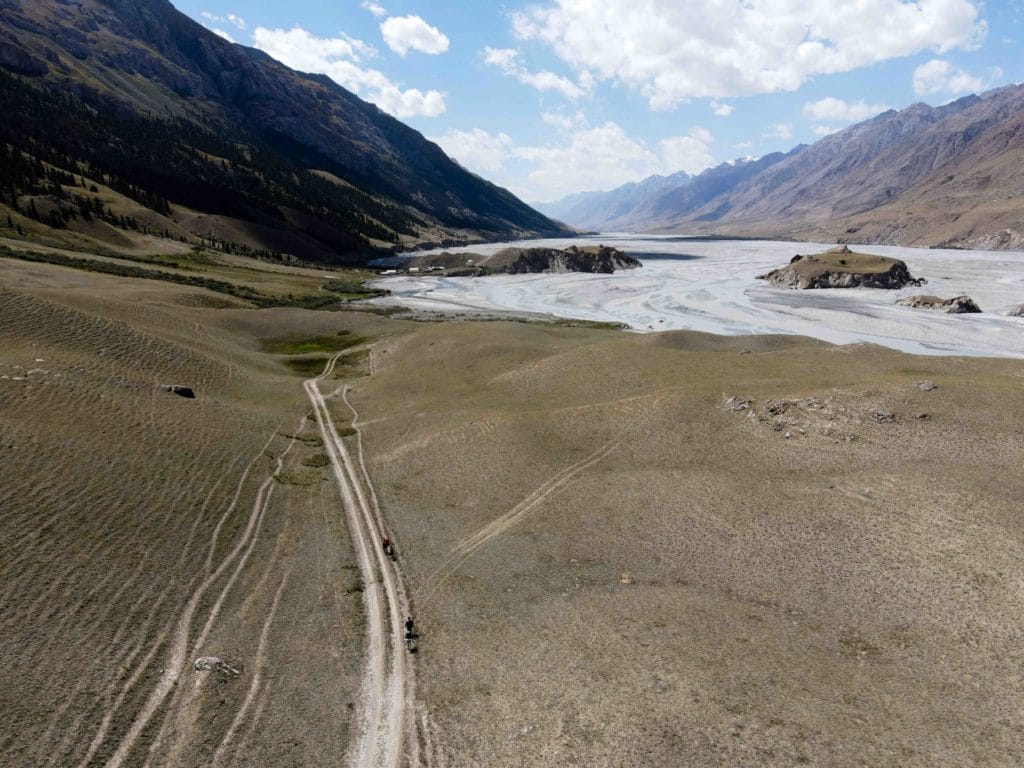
(553, 97)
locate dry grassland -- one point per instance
(623, 550)
(678, 583)
(141, 531)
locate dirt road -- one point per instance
(387, 725)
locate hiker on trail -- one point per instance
(388, 549)
(408, 628)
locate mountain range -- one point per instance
(125, 120)
(125, 116)
(949, 175)
(598, 210)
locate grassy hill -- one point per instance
(127, 120)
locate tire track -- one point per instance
(400, 606)
(179, 638)
(466, 548)
(387, 701)
(257, 678)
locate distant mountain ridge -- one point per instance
(920, 176)
(637, 206)
(600, 210)
(377, 182)
(951, 175)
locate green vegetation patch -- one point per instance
(598, 325)
(299, 476)
(307, 437)
(220, 286)
(316, 460)
(307, 366)
(351, 287)
(336, 343)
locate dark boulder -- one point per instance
(180, 391)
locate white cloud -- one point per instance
(939, 76)
(411, 102)
(549, 81)
(564, 122)
(223, 34)
(374, 8)
(722, 110)
(702, 135)
(477, 150)
(783, 131)
(411, 33)
(507, 60)
(832, 110)
(601, 157)
(340, 58)
(605, 157)
(230, 18)
(824, 130)
(679, 49)
(686, 153)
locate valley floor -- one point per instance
(620, 549)
(711, 286)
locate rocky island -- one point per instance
(842, 268)
(599, 259)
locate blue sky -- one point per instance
(553, 97)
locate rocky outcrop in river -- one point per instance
(599, 259)
(842, 268)
(958, 305)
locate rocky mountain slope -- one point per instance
(921, 176)
(951, 175)
(218, 141)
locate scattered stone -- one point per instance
(179, 390)
(626, 578)
(883, 416)
(214, 664)
(924, 416)
(1017, 311)
(927, 386)
(737, 403)
(777, 408)
(788, 435)
(958, 305)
